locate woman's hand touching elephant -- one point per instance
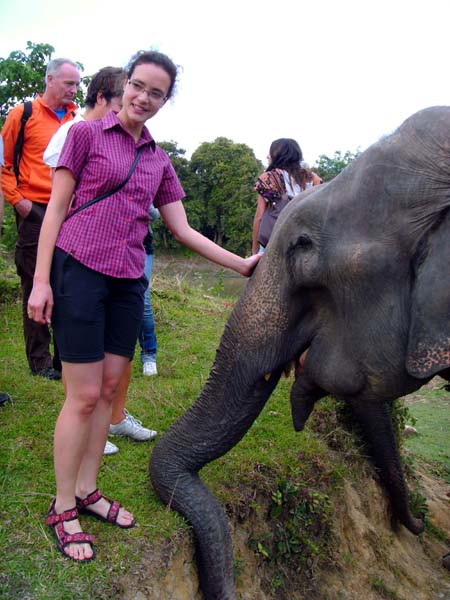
(249, 264)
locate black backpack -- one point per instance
(18, 148)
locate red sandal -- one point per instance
(113, 512)
(56, 522)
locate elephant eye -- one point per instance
(304, 242)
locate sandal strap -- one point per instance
(94, 497)
(113, 511)
(68, 515)
(73, 538)
(91, 498)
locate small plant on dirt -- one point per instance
(400, 416)
(238, 569)
(418, 504)
(299, 521)
(333, 420)
(398, 410)
(381, 588)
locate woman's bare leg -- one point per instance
(83, 384)
(114, 368)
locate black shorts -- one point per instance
(94, 313)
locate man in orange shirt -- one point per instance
(31, 192)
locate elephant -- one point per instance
(354, 281)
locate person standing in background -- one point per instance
(29, 193)
(104, 93)
(147, 335)
(286, 176)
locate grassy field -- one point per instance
(430, 409)
(189, 324)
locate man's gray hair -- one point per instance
(54, 66)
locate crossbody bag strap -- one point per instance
(111, 192)
(18, 146)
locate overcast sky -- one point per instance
(333, 75)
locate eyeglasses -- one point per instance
(156, 95)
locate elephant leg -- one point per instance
(304, 394)
(376, 424)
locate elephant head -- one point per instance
(354, 279)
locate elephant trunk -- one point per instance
(231, 400)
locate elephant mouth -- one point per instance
(295, 365)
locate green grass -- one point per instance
(32, 568)
(189, 324)
(431, 412)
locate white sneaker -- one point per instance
(110, 448)
(149, 368)
(132, 428)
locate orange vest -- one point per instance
(34, 179)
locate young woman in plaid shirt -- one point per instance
(89, 282)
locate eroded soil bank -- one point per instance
(368, 559)
(367, 556)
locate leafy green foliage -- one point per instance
(220, 202)
(400, 417)
(9, 232)
(418, 504)
(399, 413)
(163, 237)
(328, 167)
(22, 76)
(9, 282)
(223, 197)
(299, 518)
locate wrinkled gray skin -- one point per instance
(356, 273)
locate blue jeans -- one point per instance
(147, 336)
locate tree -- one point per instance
(327, 168)
(223, 196)
(180, 163)
(22, 75)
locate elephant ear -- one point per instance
(428, 350)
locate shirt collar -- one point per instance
(111, 121)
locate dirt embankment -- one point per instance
(368, 559)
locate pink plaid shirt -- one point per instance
(107, 237)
